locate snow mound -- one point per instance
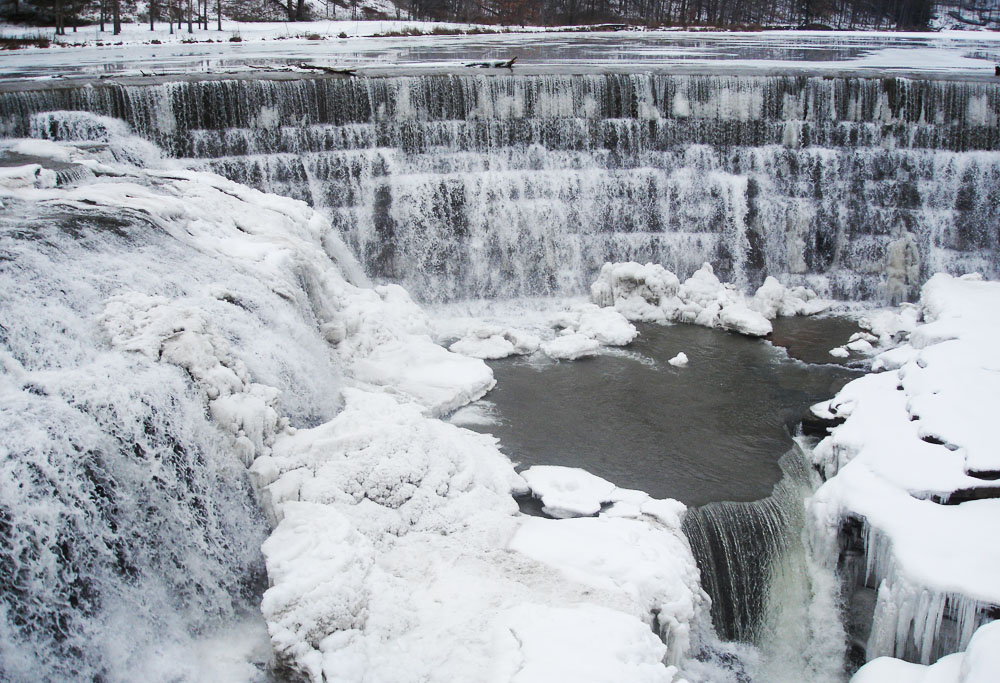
(980, 663)
(914, 437)
(651, 293)
(679, 361)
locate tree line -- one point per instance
(835, 14)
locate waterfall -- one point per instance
(757, 563)
(508, 185)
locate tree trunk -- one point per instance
(152, 15)
(190, 25)
(116, 16)
(218, 13)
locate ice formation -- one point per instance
(916, 460)
(577, 331)
(679, 361)
(652, 293)
(397, 552)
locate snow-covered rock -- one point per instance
(679, 361)
(650, 293)
(915, 436)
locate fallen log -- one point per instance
(344, 71)
(499, 64)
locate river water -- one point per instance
(711, 431)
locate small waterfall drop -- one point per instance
(767, 587)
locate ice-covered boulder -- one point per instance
(651, 293)
(488, 348)
(773, 299)
(635, 290)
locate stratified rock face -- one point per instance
(508, 185)
(909, 461)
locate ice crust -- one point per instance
(915, 436)
(651, 293)
(397, 552)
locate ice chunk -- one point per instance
(425, 373)
(571, 347)
(680, 360)
(737, 317)
(568, 491)
(492, 347)
(607, 326)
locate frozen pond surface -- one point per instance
(955, 54)
(711, 431)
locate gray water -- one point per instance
(720, 52)
(711, 431)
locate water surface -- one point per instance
(711, 431)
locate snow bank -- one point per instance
(914, 438)
(980, 663)
(652, 293)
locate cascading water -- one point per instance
(470, 186)
(767, 588)
(463, 186)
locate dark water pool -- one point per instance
(711, 431)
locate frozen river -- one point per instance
(947, 54)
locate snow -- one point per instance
(679, 361)
(651, 293)
(644, 564)
(568, 491)
(571, 347)
(913, 436)
(492, 347)
(585, 643)
(980, 663)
